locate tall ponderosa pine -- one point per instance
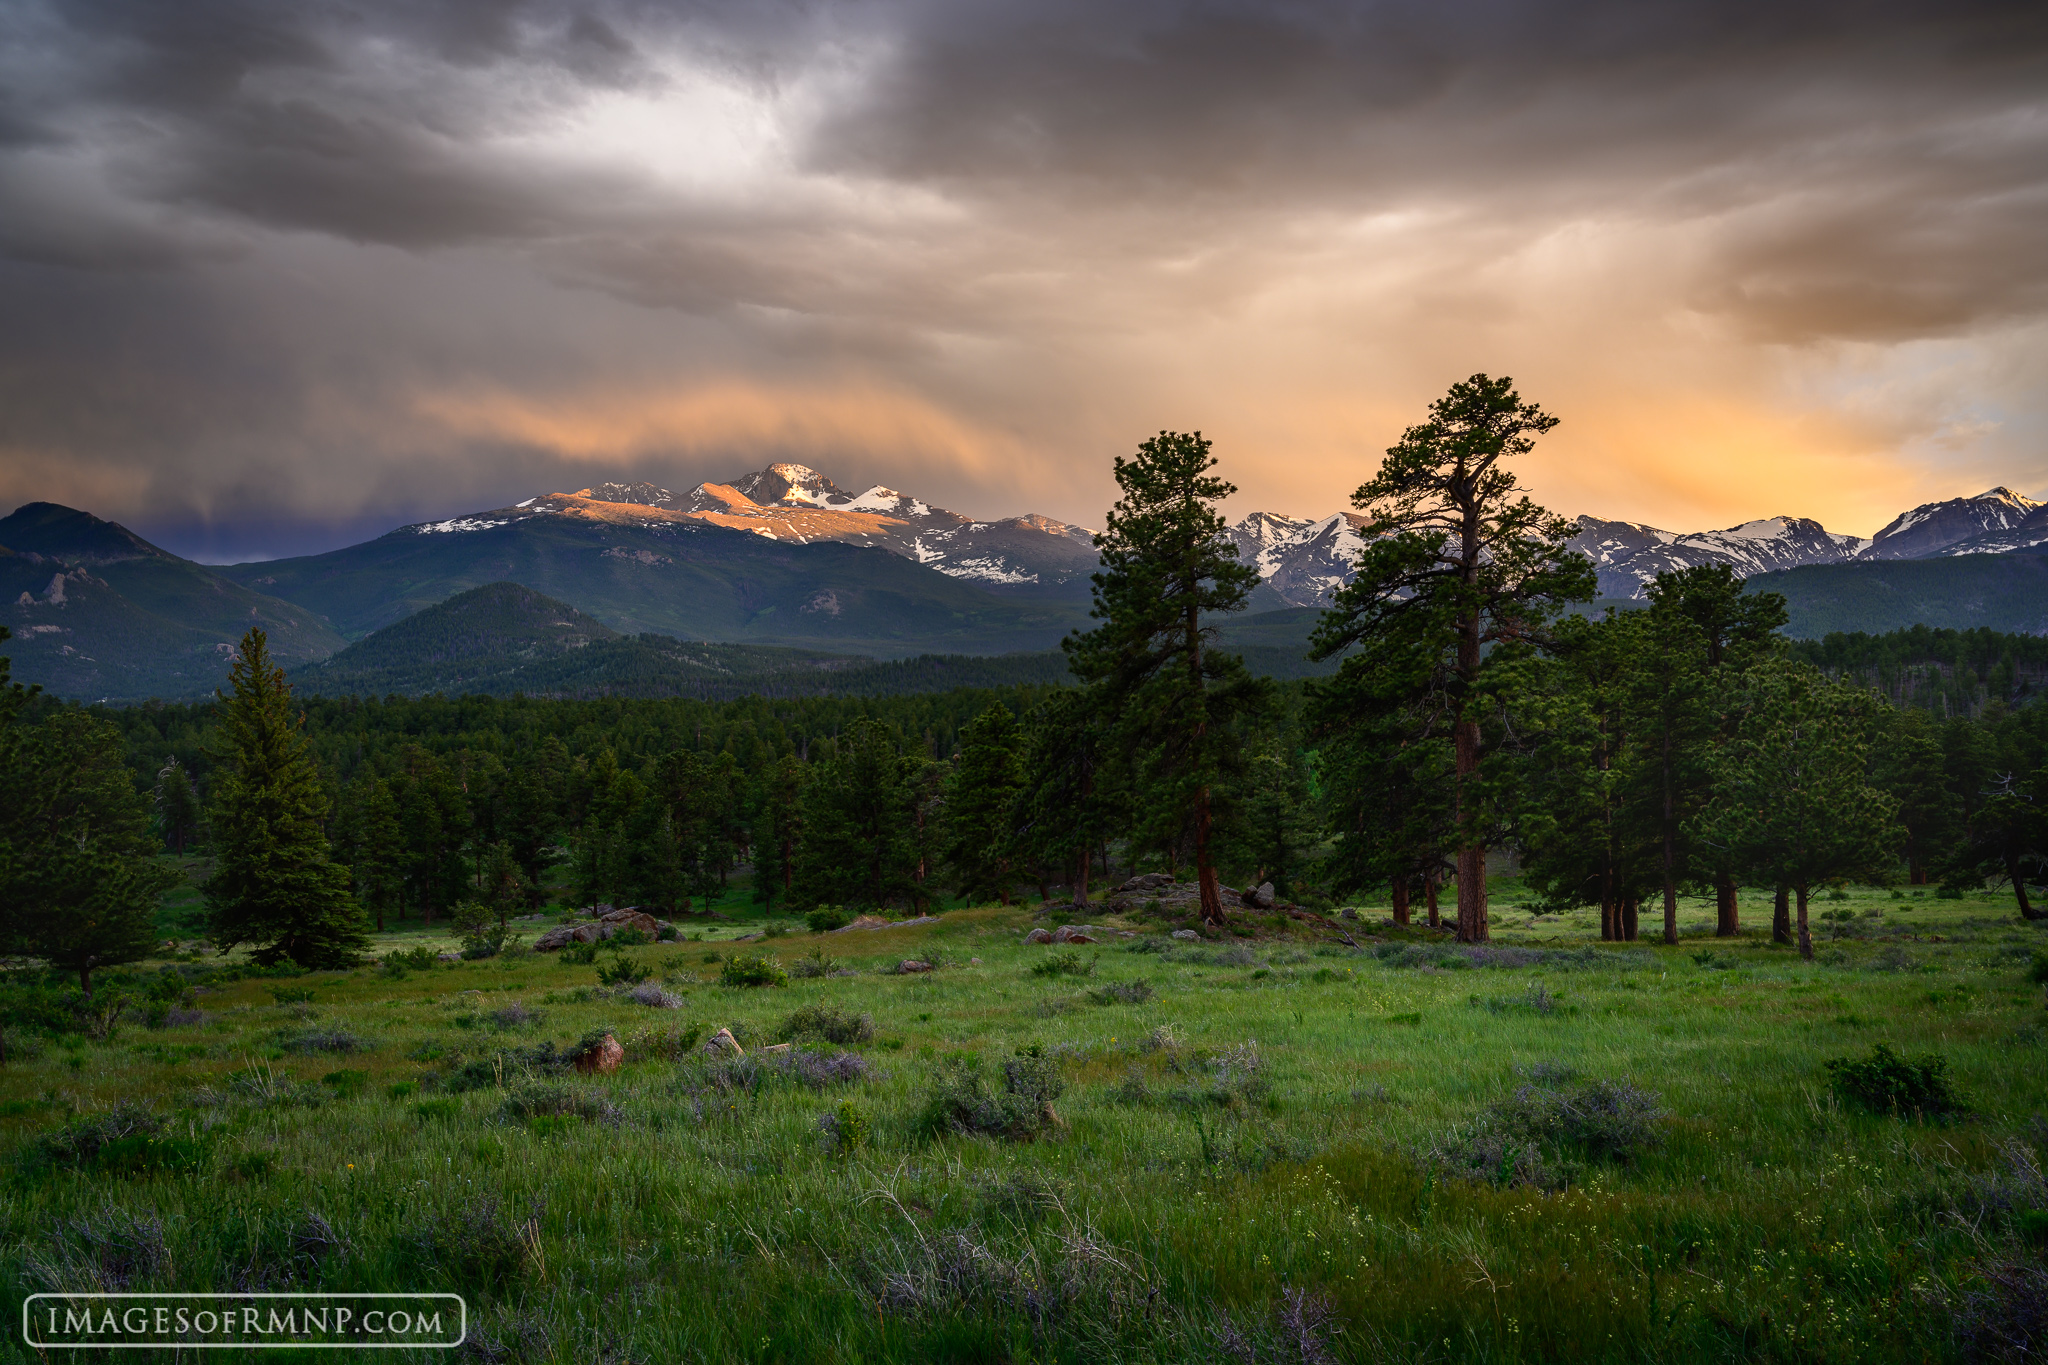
(1459, 577)
(275, 886)
(1792, 800)
(1168, 569)
(1387, 799)
(981, 806)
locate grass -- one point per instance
(1245, 1163)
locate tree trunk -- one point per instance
(1400, 897)
(1805, 938)
(1670, 848)
(2019, 890)
(85, 977)
(1727, 911)
(1472, 926)
(1081, 885)
(1781, 916)
(1610, 916)
(1205, 869)
(1628, 920)
(1436, 919)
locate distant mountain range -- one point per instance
(97, 611)
(785, 561)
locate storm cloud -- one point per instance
(277, 275)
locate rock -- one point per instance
(557, 938)
(910, 965)
(723, 1044)
(449, 957)
(1149, 881)
(630, 918)
(864, 922)
(1350, 912)
(1187, 935)
(1087, 933)
(1261, 899)
(603, 1059)
(920, 919)
(776, 1047)
(974, 962)
(1068, 934)
(1039, 936)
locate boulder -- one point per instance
(919, 919)
(723, 1044)
(776, 1047)
(450, 957)
(630, 918)
(1068, 934)
(1260, 899)
(1149, 881)
(1039, 936)
(864, 922)
(603, 1059)
(910, 966)
(1187, 936)
(557, 938)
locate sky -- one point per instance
(277, 276)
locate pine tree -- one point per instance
(1663, 774)
(981, 806)
(274, 887)
(778, 827)
(1168, 569)
(177, 806)
(1460, 577)
(85, 884)
(1069, 788)
(367, 840)
(1792, 798)
(1732, 628)
(1574, 835)
(860, 845)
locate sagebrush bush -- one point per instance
(559, 1101)
(1886, 1083)
(845, 1129)
(961, 1101)
(1541, 1134)
(1122, 993)
(813, 965)
(827, 1024)
(1064, 962)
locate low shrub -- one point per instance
(514, 1015)
(1886, 1083)
(482, 1244)
(1122, 993)
(2037, 970)
(752, 971)
(961, 1101)
(1542, 1134)
(125, 1140)
(1021, 1195)
(813, 965)
(324, 1040)
(630, 937)
(1064, 962)
(622, 971)
(827, 1024)
(654, 997)
(845, 1129)
(826, 918)
(669, 1044)
(558, 1101)
(488, 941)
(346, 1083)
(578, 954)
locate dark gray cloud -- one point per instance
(257, 251)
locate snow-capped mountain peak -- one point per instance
(1937, 528)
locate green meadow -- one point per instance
(1273, 1146)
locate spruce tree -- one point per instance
(778, 827)
(275, 887)
(1070, 788)
(981, 806)
(1459, 579)
(1168, 570)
